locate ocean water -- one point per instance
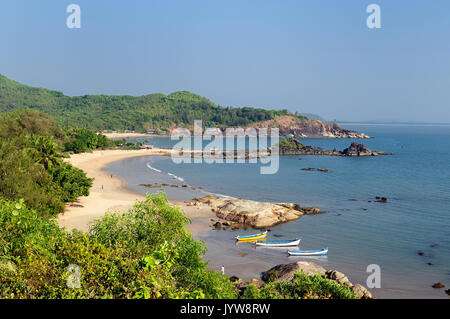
(357, 230)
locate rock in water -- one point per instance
(438, 285)
(285, 272)
(356, 149)
(255, 214)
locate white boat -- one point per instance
(282, 243)
(308, 252)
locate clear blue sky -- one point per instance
(309, 56)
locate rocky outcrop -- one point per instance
(361, 292)
(292, 146)
(301, 127)
(255, 214)
(286, 272)
(356, 149)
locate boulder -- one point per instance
(356, 149)
(252, 213)
(285, 272)
(338, 277)
(361, 292)
(234, 279)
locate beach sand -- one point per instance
(110, 193)
(127, 135)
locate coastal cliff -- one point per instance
(301, 127)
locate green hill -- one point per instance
(124, 112)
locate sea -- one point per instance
(400, 247)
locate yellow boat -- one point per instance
(254, 237)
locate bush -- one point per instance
(302, 286)
(145, 253)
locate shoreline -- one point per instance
(110, 193)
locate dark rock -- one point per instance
(277, 235)
(381, 199)
(234, 279)
(430, 264)
(356, 149)
(447, 292)
(420, 253)
(438, 285)
(322, 170)
(311, 210)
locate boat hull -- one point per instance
(279, 243)
(308, 252)
(252, 237)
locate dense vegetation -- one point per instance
(103, 112)
(32, 166)
(144, 253)
(302, 286)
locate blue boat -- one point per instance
(308, 252)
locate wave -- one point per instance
(152, 168)
(176, 177)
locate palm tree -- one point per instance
(45, 150)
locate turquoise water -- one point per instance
(416, 217)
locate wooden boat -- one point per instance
(282, 243)
(254, 237)
(308, 252)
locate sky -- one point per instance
(303, 55)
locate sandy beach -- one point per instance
(109, 193)
(127, 135)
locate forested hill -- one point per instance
(101, 112)
(156, 111)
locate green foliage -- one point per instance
(114, 263)
(71, 182)
(144, 253)
(290, 144)
(302, 286)
(22, 177)
(84, 140)
(31, 165)
(102, 112)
